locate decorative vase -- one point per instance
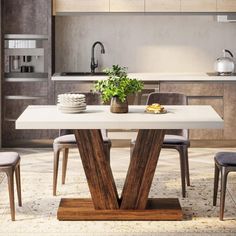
(117, 106)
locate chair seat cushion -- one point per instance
(9, 158)
(175, 139)
(70, 139)
(172, 140)
(226, 158)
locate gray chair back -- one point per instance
(169, 99)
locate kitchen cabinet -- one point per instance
(200, 94)
(63, 6)
(71, 87)
(226, 5)
(126, 5)
(27, 35)
(229, 111)
(198, 5)
(162, 5)
(1, 72)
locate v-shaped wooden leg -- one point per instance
(134, 203)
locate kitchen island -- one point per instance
(200, 88)
(105, 203)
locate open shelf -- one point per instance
(25, 75)
(21, 97)
(26, 37)
(24, 52)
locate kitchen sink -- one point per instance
(83, 74)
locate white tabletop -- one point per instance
(99, 117)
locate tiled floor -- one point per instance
(38, 214)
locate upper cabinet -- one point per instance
(198, 5)
(70, 6)
(127, 5)
(64, 6)
(226, 5)
(162, 5)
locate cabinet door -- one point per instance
(162, 5)
(72, 87)
(207, 134)
(200, 94)
(226, 5)
(230, 111)
(81, 6)
(127, 5)
(198, 5)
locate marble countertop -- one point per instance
(181, 77)
(100, 117)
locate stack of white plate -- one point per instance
(71, 103)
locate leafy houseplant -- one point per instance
(117, 87)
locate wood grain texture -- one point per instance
(82, 6)
(26, 16)
(126, 5)
(198, 5)
(83, 209)
(230, 111)
(97, 169)
(208, 134)
(162, 6)
(226, 5)
(141, 169)
(1, 70)
(66, 87)
(200, 93)
(193, 88)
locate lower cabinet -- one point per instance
(221, 96)
(72, 87)
(17, 96)
(229, 111)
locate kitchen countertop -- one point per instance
(181, 77)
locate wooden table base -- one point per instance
(106, 204)
(83, 209)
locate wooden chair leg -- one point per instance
(224, 174)
(10, 177)
(185, 153)
(64, 164)
(216, 183)
(18, 184)
(182, 170)
(55, 170)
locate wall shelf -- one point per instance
(25, 37)
(20, 97)
(24, 52)
(26, 75)
(25, 80)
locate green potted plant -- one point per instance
(117, 87)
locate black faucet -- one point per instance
(93, 64)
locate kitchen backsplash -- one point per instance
(144, 43)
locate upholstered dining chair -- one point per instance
(225, 162)
(66, 141)
(174, 139)
(10, 164)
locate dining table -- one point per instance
(133, 203)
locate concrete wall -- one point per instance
(144, 43)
